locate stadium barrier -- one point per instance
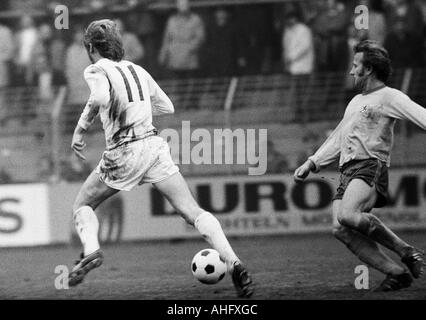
(36, 214)
(24, 215)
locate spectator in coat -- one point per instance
(298, 47)
(182, 40)
(26, 40)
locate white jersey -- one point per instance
(126, 97)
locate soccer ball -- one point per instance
(208, 267)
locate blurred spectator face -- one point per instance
(182, 6)
(221, 17)
(291, 19)
(45, 31)
(26, 22)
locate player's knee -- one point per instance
(76, 206)
(347, 218)
(78, 203)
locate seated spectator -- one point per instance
(182, 40)
(133, 49)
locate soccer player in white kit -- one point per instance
(126, 97)
(363, 142)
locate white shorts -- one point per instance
(143, 161)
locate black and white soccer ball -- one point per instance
(208, 267)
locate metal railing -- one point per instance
(33, 128)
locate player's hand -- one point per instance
(78, 145)
(303, 171)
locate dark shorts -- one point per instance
(374, 172)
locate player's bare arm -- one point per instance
(78, 144)
(402, 107)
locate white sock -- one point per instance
(87, 226)
(211, 230)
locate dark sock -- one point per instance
(369, 252)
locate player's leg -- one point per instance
(92, 193)
(363, 247)
(360, 197)
(176, 191)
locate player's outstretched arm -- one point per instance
(326, 154)
(402, 107)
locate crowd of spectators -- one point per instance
(297, 37)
